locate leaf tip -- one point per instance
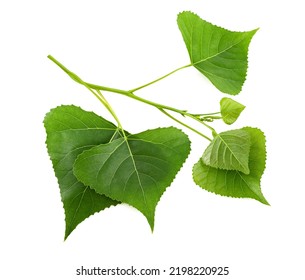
(255, 30)
(262, 199)
(152, 225)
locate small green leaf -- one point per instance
(230, 110)
(219, 54)
(136, 170)
(70, 131)
(235, 183)
(229, 150)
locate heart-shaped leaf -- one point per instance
(235, 183)
(137, 169)
(219, 54)
(70, 131)
(230, 110)
(229, 150)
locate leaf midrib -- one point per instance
(125, 141)
(77, 209)
(136, 170)
(249, 185)
(84, 129)
(246, 168)
(210, 57)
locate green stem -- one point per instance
(97, 87)
(161, 106)
(109, 108)
(130, 94)
(161, 78)
(96, 93)
(202, 122)
(124, 92)
(184, 124)
(157, 105)
(206, 115)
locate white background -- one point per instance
(124, 44)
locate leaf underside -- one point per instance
(70, 131)
(230, 110)
(219, 54)
(235, 183)
(136, 170)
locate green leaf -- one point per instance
(219, 54)
(230, 110)
(70, 131)
(135, 170)
(235, 183)
(229, 150)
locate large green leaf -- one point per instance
(235, 183)
(230, 110)
(229, 150)
(219, 54)
(135, 170)
(70, 131)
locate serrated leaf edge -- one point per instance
(178, 129)
(254, 30)
(267, 203)
(222, 168)
(225, 116)
(66, 228)
(47, 146)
